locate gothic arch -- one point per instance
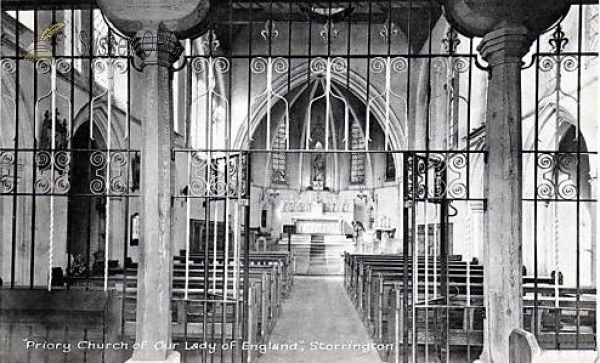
(119, 139)
(7, 121)
(358, 86)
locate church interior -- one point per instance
(283, 181)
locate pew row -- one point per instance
(524, 348)
(451, 314)
(207, 302)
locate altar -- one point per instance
(320, 236)
(319, 226)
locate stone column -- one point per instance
(503, 49)
(156, 51)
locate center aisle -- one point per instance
(318, 315)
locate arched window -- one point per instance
(357, 171)
(278, 159)
(390, 167)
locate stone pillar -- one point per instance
(503, 49)
(156, 52)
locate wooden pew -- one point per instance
(568, 322)
(59, 316)
(282, 258)
(218, 318)
(369, 278)
(436, 325)
(267, 279)
(455, 273)
(524, 348)
(382, 285)
(353, 262)
(470, 331)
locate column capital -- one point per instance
(188, 18)
(507, 44)
(480, 17)
(158, 47)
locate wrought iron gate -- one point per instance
(386, 92)
(441, 305)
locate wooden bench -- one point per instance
(57, 315)
(351, 261)
(215, 321)
(282, 258)
(376, 284)
(460, 323)
(524, 348)
(266, 278)
(377, 302)
(353, 264)
(454, 273)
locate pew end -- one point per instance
(524, 348)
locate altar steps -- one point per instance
(325, 259)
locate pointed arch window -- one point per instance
(279, 159)
(357, 171)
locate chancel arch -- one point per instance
(349, 79)
(339, 164)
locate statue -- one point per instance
(61, 140)
(318, 169)
(60, 132)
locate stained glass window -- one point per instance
(357, 171)
(278, 159)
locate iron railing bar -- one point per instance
(253, 55)
(53, 156)
(82, 4)
(340, 151)
(408, 207)
(578, 178)
(351, 56)
(68, 194)
(71, 150)
(535, 316)
(560, 200)
(128, 227)
(71, 132)
(33, 199)
(414, 194)
(15, 199)
(246, 272)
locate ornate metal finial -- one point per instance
(270, 31)
(388, 30)
(210, 42)
(329, 32)
(558, 40)
(451, 41)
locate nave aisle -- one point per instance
(318, 315)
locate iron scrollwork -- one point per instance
(103, 163)
(217, 177)
(54, 172)
(556, 179)
(7, 180)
